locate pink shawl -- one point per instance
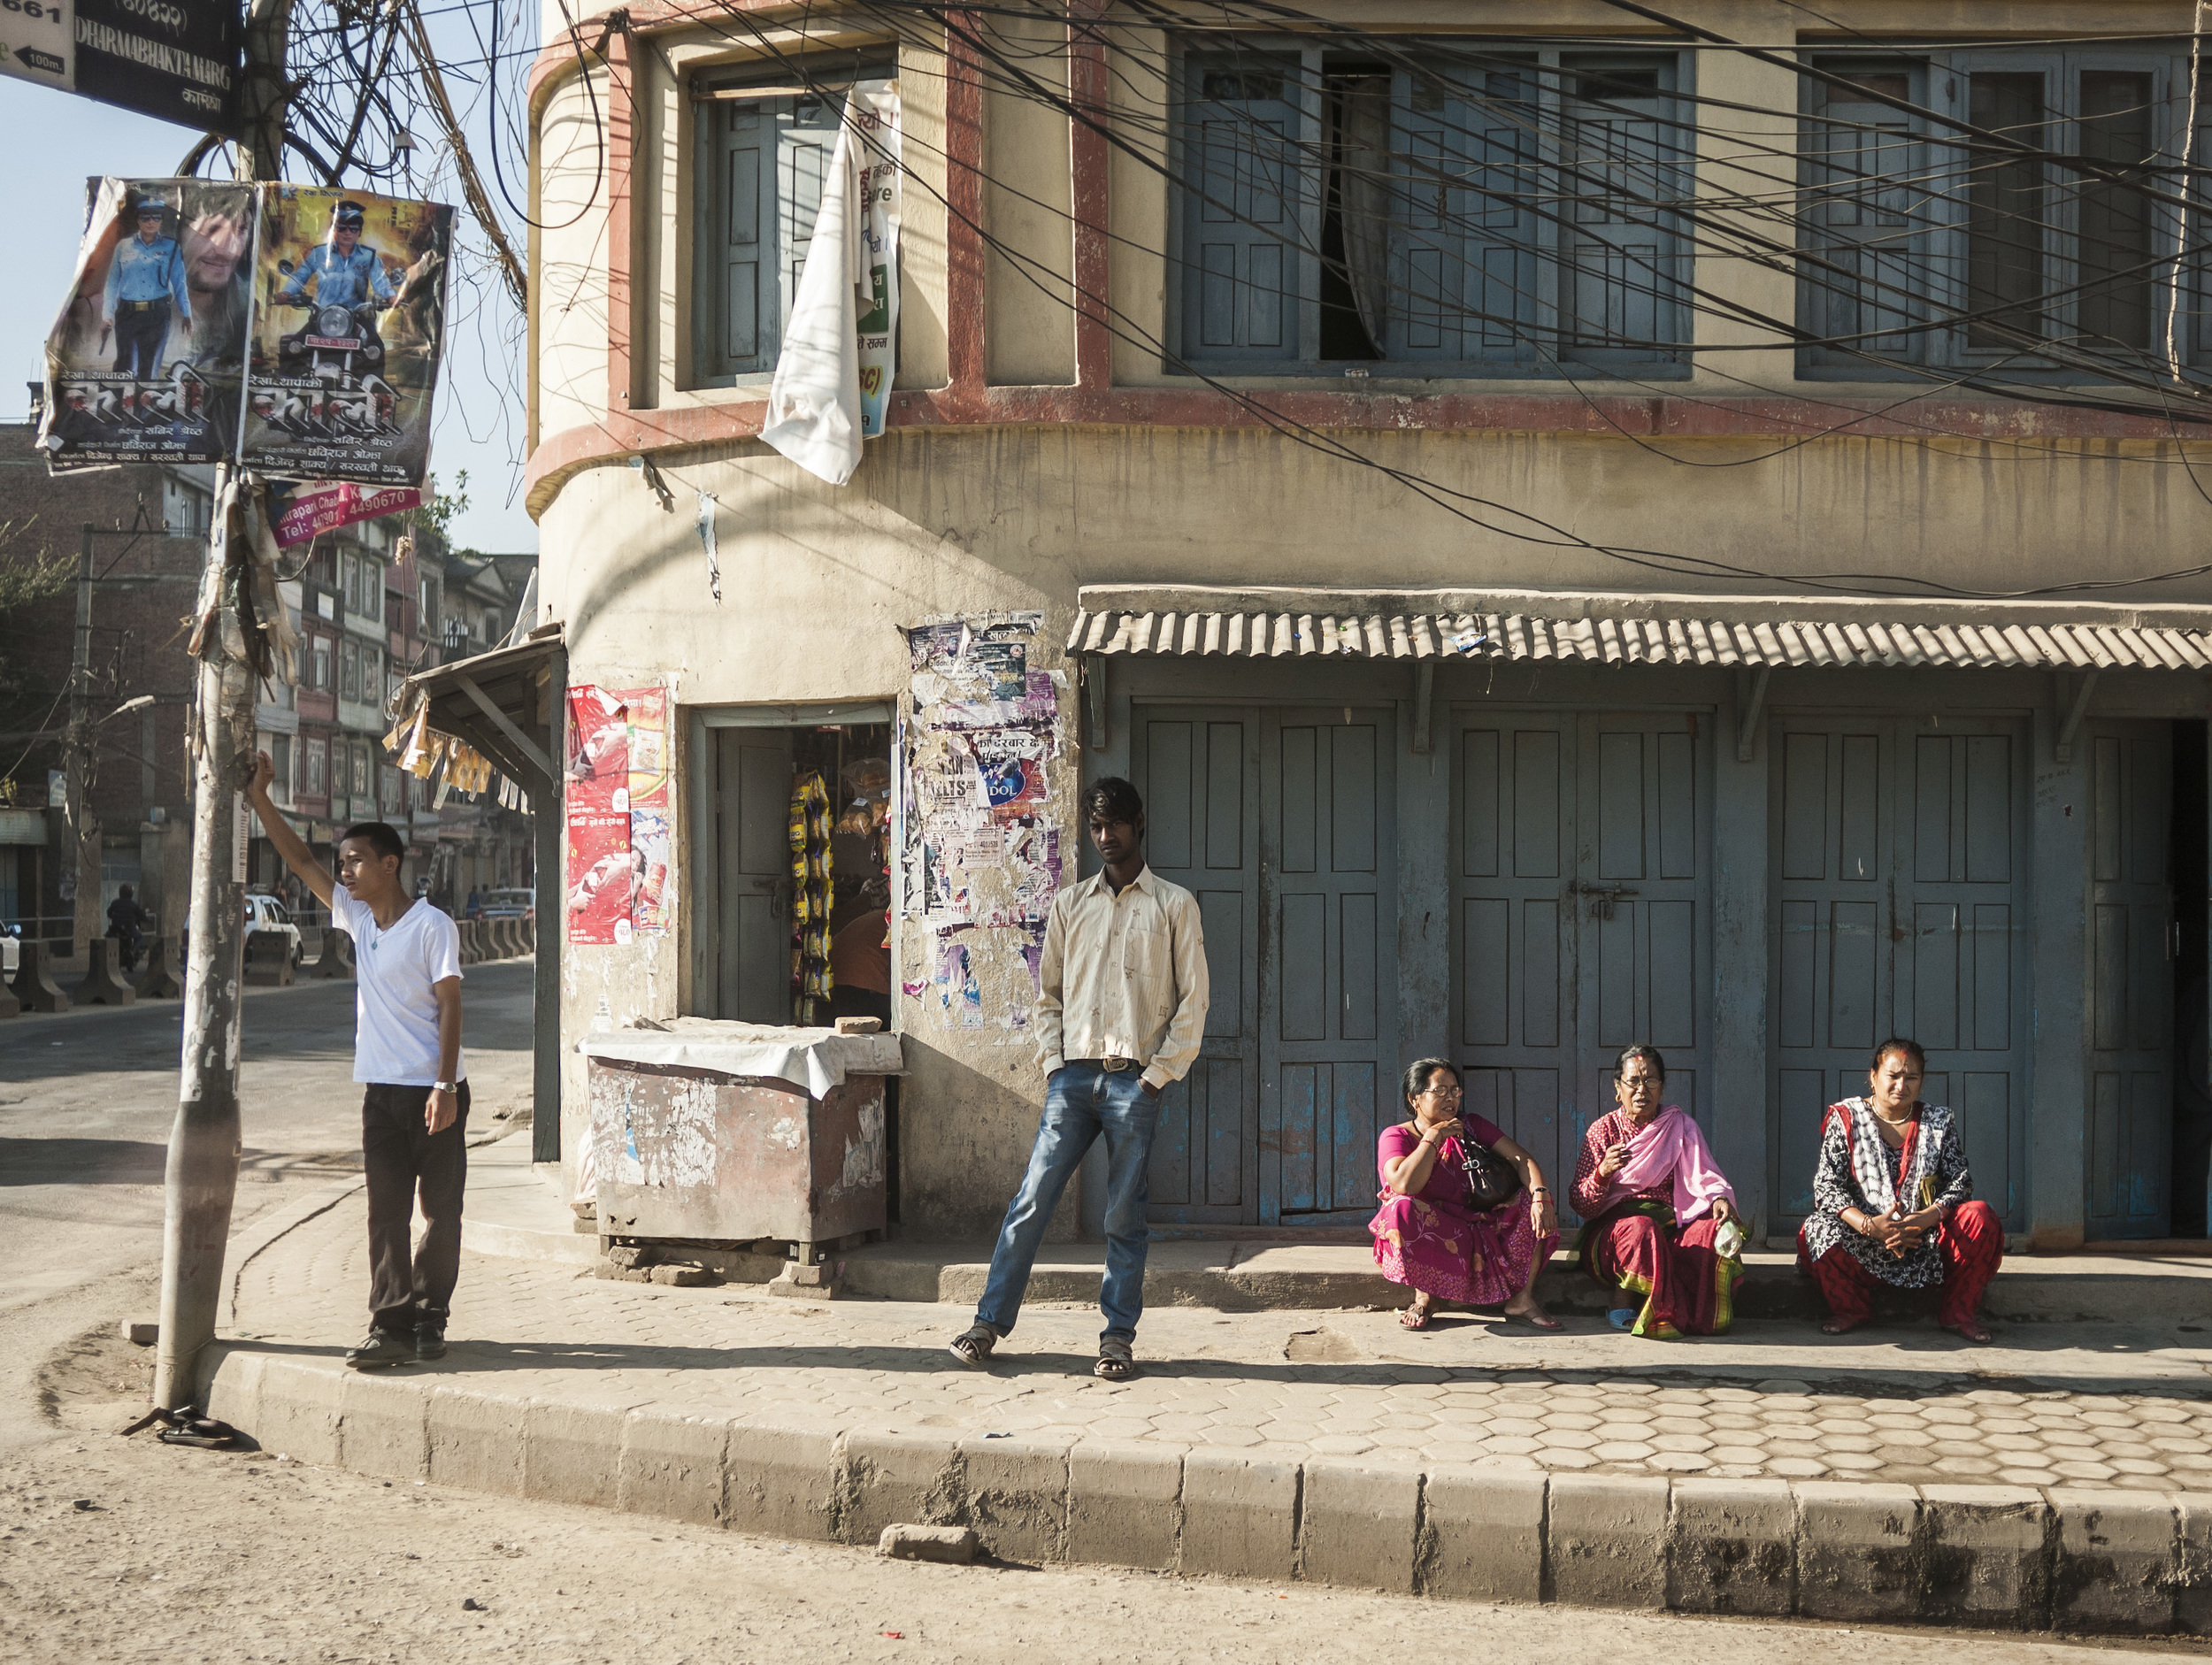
(1671, 1148)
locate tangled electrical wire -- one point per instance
(1563, 208)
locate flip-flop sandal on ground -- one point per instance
(1415, 1318)
(181, 1428)
(1622, 1317)
(1537, 1320)
(1116, 1362)
(973, 1349)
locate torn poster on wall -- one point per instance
(979, 856)
(619, 806)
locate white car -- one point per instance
(267, 917)
(10, 955)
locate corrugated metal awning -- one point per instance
(2034, 637)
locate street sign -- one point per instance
(176, 60)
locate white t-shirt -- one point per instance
(395, 1013)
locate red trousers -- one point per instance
(1687, 1289)
(1971, 1243)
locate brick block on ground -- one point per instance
(572, 1454)
(1125, 1506)
(1857, 1555)
(302, 1411)
(1732, 1547)
(387, 1431)
(1986, 1556)
(35, 984)
(1608, 1540)
(673, 1465)
(1356, 1524)
(476, 1441)
(890, 1479)
(2119, 1561)
(1018, 1497)
(782, 1483)
(1240, 1515)
(1482, 1535)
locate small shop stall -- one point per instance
(713, 1132)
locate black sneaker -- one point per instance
(380, 1348)
(430, 1339)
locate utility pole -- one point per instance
(77, 756)
(201, 1178)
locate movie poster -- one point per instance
(144, 363)
(348, 336)
(601, 875)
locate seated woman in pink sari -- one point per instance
(1431, 1235)
(1654, 1205)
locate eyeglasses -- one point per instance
(1450, 1090)
(1641, 1083)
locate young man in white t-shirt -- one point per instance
(407, 1056)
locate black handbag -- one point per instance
(1491, 1179)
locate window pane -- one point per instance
(1243, 180)
(1870, 278)
(2008, 203)
(2115, 222)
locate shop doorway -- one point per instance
(1899, 873)
(795, 870)
(1283, 823)
(1581, 891)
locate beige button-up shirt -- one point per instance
(1124, 976)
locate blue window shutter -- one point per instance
(1241, 186)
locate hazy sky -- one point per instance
(478, 425)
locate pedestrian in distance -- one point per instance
(127, 920)
(1121, 1010)
(407, 1057)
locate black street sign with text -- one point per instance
(176, 60)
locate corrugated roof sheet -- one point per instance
(1643, 641)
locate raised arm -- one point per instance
(289, 844)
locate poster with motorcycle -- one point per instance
(145, 361)
(349, 334)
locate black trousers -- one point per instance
(139, 339)
(403, 1159)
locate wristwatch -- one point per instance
(445, 1086)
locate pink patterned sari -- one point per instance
(1439, 1243)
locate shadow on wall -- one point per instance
(965, 1140)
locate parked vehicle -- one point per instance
(267, 917)
(11, 950)
(521, 903)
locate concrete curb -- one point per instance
(2004, 1557)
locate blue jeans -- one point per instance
(1082, 1101)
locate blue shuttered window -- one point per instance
(1464, 211)
(762, 151)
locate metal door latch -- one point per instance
(1602, 896)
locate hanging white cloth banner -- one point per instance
(840, 353)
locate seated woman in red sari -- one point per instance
(1656, 1211)
(1892, 1201)
(1430, 1233)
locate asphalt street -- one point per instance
(87, 1100)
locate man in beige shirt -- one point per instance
(1120, 1013)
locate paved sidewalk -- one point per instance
(2063, 1410)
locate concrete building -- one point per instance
(1575, 646)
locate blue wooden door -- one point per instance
(1581, 884)
(1899, 857)
(2131, 981)
(1198, 769)
(1328, 975)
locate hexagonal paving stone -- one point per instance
(1516, 1426)
(1681, 1462)
(1680, 1425)
(1342, 1445)
(2140, 1465)
(2084, 1470)
(1564, 1457)
(1966, 1465)
(1797, 1467)
(1859, 1444)
(1570, 1419)
(1682, 1442)
(1510, 1445)
(1570, 1438)
(1622, 1451)
(1233, 1436)
(1737, 1456)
